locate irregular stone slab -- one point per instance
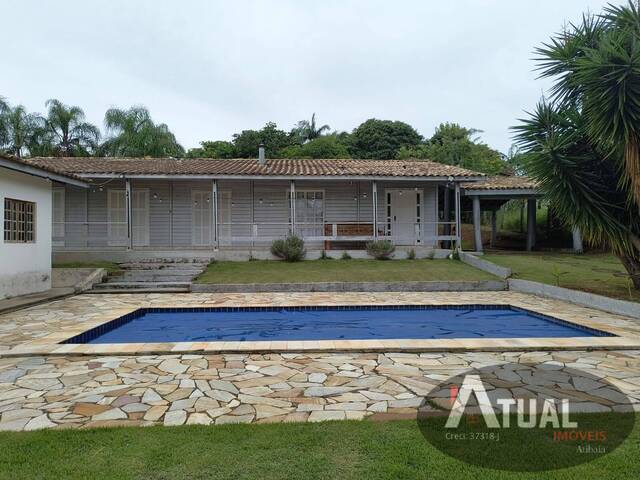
(224, 386)
(265, 411)
(323, 416)
(327, 391)
(38, 423)
(155, 413)
(113, 414)
(347, 406)
(380, 407)
(14, 426)
(39, 383)
(173, 365)
(220, 395)
(205, 403)
(177, 417)
(182, 404)
(317, 377)
(199, 419)
(90, 409)
(216, 412)
(19, 413)
(251, 399)
(234, 419)
(10, 376)
(136, 407)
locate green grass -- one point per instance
(268, 271)
(109, 266)
(332, 450)
(594, 273)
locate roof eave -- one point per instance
(149, 176)
(41, 173)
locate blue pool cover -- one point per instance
(151, 325)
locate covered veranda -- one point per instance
(493, 193)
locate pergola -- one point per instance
(492, 193)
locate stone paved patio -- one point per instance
(77, 391)
(40, 329)
(65, 392)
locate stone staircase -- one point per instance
(153, 276)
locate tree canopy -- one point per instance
(67, 132)
(454, 145)
(132, 133)
(382, 139)
(581, 144)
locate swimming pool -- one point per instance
(154, 325)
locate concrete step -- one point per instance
(124, 285)
(158, 277)
(139, 290)
(176, 272)
(163, 266)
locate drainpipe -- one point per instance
(292, 206)
(458, 219)
(374, 194)
(214, 212)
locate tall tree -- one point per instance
(382, 139)
(453, 144)
(72, 135)
(213, 149)
(132, 133)
(596, 65)
(307, 130)
(326, 146)
(585, 168)
(21, 132)
(274, 139)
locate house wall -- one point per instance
(262, 202)
(26, 267)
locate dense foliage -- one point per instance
(582, 144)
(381, 249)
(290, 249)
(454, 145)
(382, 138)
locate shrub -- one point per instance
(345, 256)
(290, 249)
(411, 254)
(324, 256)
(381, 249)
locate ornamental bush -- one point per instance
(381, 249)
(290, 249)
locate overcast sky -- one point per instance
(211, 68)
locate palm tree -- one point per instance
(72, 135)
(20, 131)
(589, 170)
(597, 66)
(308, 131)
(134, 134)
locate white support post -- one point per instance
(374, 195)
(129, 207)
(214, 213)
(531, 223)
(458, 218)
(494, 228)
(292, 206)
(477, 228)
(577, 240)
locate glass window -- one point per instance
(19, 221)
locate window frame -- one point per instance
(18, 231)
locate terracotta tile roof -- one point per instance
(44, 167)
(503, 183)
(250, 167)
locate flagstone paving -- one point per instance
(80, 391)
(84, 391)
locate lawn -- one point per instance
(270, 271)
(596, 273)
(341, 450)
(109, 266)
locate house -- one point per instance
(25, 251)
(166, 207)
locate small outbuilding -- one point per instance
(25, 251)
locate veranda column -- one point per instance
(531, 223)
(374, 195)
(214, 213)
(292, 207)
(458, 219)
(477, 230)
(577, 240)
(129, 208)
(494, 228)
(446, 215)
